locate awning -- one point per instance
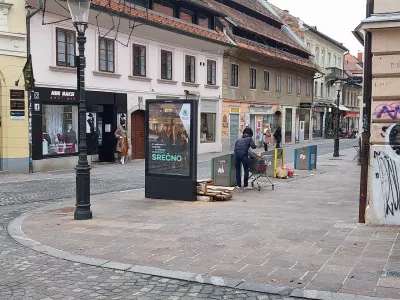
(342, 107)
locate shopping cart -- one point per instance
(258, 172)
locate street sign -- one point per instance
(17, 94)
(28, 75)
(354, 80)
(17, 104)
(305, 105)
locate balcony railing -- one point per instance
(333, 74)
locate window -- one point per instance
(163, 7)
(139, 60)
(315, 89)
(334, 60)
(278, 83)
(289, 85)
(190, 68)
(329, 59)
(328, 90)
(235, 75)
(186, 15)
(298, 86)
(106, 55)
(340, 63)
(253, 78)
(166, 65)
(202, 21)
(323, 58)
(348, 97)
(60, 127)
(317, 55)
(211, 72)
(308, 46)
(308, 88)
(322, 90)
(65, 47)
(208, 128)
(266, 81)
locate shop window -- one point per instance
(278, 83)
(60, 129)
(235, 75)
(289, 85)
(106, 55)
(65, 47)
(190, 68)
(211, 72)
(288, 125)
(166, 65)
(139, 60)
(253, 78)
(266, 81)
(298, 90)
(208, 128)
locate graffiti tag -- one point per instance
(387, 111)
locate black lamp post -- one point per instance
(79, 10)
(339, 85)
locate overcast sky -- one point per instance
(334, 18)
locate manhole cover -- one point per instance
(336, 159)
(64, 210)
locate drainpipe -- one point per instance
(29, 15)
(366, 135)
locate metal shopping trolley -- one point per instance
(258, 172)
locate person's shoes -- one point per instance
(238, 187)
(247, 187)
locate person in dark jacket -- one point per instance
(278, 130)
(241, 155)
(248, 130)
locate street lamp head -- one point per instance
(339, 85)
(79, 10)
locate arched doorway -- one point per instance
(137, 134)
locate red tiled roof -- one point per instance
(254, 25)
(256, 6)
(150, 16)
(351, 66)
(275, 53)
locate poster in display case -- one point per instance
(171, 152)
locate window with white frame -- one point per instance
(334, 60)
(266, 81)
(65, 47)
(340, 63)
(289, 85)
(323, 58)
(190, 68)
(139, 60)
(235, 75)
(278, 83)
(298, 89)
(166, 65)
(253, 78)
(317, 55)
(211, 72)
(329, 60)
(208, 127)
(106, 55)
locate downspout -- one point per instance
(229, 38)
(366, 135)
(29, 15)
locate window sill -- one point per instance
(192, 84)
(63, 69)
(139, 78)
(209, 86)
(253, 90)
(167, 81)
(106, 74)
(234, 87)
(265, 91)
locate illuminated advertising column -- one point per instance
(171, 149)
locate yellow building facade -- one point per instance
(14, 137)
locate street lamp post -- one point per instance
(339, 85)
(79, 10)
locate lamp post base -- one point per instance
(336, 148)
(82, 211)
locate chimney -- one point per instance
(360, 56)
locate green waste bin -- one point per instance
(223, 170)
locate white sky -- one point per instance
(334, 18)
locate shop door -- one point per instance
(137, 134)
(233, 130)
(107, 141)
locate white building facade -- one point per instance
(128, 67)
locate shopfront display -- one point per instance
(171, 149)
(55, 123)
(303, 124)
(208, 120)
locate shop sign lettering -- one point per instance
(62, 94)
(166, 157)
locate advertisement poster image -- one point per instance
(169, 136)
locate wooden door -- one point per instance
(137, 134)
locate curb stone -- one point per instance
(14, 229)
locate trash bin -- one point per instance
(274, 159)
(305, 158)
(223, 170)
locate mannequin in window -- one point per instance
(122, 140)
(70, 139)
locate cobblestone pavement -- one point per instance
(57, 185)
(26, 274)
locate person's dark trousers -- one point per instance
(278, 144)
(265, 147)
(242, 159)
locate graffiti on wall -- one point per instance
(379, 131)
(386, 177)
(386, 110)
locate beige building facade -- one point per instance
(384, 180)
(14, 142)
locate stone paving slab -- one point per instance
(303, 236)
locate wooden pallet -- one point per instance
(210, 193)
